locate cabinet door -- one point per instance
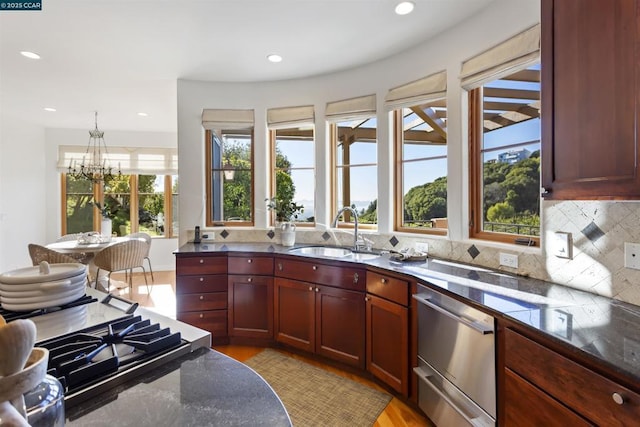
(250, 306)
(590, 92)
(340, 325)
(528, 406)
(388, 342)
(294, 313)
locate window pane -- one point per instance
(117, 197)
(79, 206)
(151, 204)
(356, 168)
(175, 207)
(511, 154)
(424, 167)
(231, 176)
(295, 171)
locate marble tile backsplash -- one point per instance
(598, 228)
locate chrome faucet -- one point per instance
(356, 235)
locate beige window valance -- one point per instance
(516, 53)
(227, 119)
(417, 92)
(351, 109)
(131, 160)
(286, 117)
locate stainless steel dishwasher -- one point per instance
(456, 361)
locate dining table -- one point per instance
(90, 247)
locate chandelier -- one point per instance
(95, 164)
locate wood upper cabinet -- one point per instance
(250, 296)
(387, 330)
(560, 388)
(590, 109)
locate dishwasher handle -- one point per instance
(478, 327)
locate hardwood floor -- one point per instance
(162, 299)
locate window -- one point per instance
(504, 140)
(353, 141)
(293, 160)
(420, 132)
(143, 199)
(229, 167)
(137, 203)
(505, 151)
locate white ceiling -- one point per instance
(121, 57)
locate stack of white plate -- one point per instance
(43, 286)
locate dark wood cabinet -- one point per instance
(387, 330)
(250, 293)
(320, 308)
(201, 293)
(560, 388)
(590, 99)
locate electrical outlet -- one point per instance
(509, 260)
(422, 247)
(632, 255)
(207, 235)
(561, 245)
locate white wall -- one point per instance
(23, 200)
(501, 20)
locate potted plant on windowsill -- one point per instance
(106, 225)
(286, 211)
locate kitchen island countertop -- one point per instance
(201, 388)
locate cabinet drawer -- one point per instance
(250, 265)
(212, 321)
(343, 277)
(201, 284)
(201, 265)
(583, 390)
(198, 302)
(390, 288)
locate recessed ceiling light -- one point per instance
(50, 109)
(143, 114)
(404, 8)
(30, 55)
(274, 58)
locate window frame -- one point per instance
(272, 191)
(476, 208)
(98, 193)
(333, 132)
(209, 221)
(398, 135)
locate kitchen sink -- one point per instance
(327, 251)
(334, 252)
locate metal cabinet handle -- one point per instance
(249, 280)
(202, 279)
(249, 260)
(384, 281)
(617, 397)
(311, 288)
(482, 329)
(355, 277)
(366, 299)
(201, 261)
(201, 315)
(443, 395)
(315, 267)
(201, 297)
(317, 289)
(280, 266)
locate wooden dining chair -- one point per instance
(122, 256)
(147, 239)
(42, 253)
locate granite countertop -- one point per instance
(604, 329)
(201, 388)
